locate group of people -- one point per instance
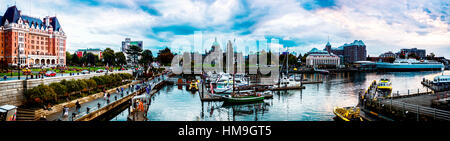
(74, 114)
(139, 104)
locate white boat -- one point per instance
(410, 65)
(442, 79)
(287, 82)
(224, 83)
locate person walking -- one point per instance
(78, 106)
(65, 111)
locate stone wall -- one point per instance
(12, 92)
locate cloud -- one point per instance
(298, 24)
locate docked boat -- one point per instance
(347, 114)
(288, 83)
(410, 65)
(384, 87)
(384, 84)
(248, 96)
(243, 99)
(224, 85)
(193, 86)
(441, 80)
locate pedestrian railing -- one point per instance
(128, 91)
(418, 110)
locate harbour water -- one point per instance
(315, 103)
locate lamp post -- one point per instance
(19, 65)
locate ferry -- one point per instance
(410, 65)
(347, 114)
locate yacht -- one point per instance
(410, 65)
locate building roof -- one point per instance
(90, 49)
(328, 44)
(12, 14)
(55, 23)
(37, 23)
(215, 43)
(317, 51)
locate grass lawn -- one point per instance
(93, 69)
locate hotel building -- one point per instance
(30, 41)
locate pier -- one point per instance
(437, 88)
(96, 105)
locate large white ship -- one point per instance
(410, 65)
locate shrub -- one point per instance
(81, 84)
(99, 80)
(72, 86)
(107, 79)
(91, 83)
(41, 94)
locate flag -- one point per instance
(212, 90)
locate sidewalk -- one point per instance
(93, 105)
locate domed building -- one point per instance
(322, 59)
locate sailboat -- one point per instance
(242, 97)
(288, 82)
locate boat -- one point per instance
(384, 84)
(288, 83)
(347, 114)
(243, 98)
(224, 84)
(441, 79)
(410, 65)
(384, 88)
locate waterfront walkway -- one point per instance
(99, 103)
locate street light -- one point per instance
(19, 65)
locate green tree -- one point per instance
(99, 80)
(146, 58)
(134, 52)
(68, 59)
(41, 94)
(121, 59)
(59, 89)
(75, 60)
(109, 57)
(90, 59)
(304, 58)
(72, 85)
(165, 56)
(81, 84)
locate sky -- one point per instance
(299, 25)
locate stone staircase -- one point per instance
(25, 114)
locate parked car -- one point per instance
(50, 73)
(84, 72)
(100, 71)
